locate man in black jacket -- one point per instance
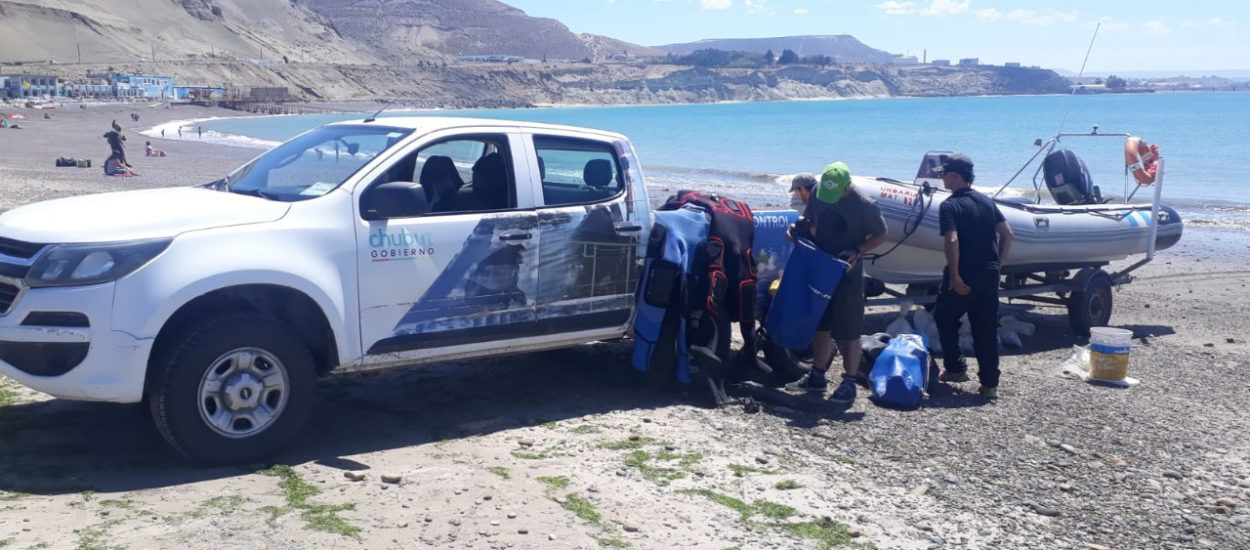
(977, 239)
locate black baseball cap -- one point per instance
(958, 163)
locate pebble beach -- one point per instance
(562, 450)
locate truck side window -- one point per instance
(466, 174)
(576, 171)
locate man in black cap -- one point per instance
(977, 239)
(802, 187)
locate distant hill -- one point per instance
(401, 32)
(844, 47)
(109, 31)
(405, 51)
(395, 28)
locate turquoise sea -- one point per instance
(751, 149)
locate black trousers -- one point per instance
(982, 309)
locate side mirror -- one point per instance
(394, 199)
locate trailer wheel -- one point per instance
(1090, 302)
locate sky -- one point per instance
(1193, 37)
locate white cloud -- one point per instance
(946, 7)
(935, 7)
(716, 4)
(1030, 17)
(801, 11)
(1110, 25)
(1212, 22)
(988, 14)
(1025, 17)
(897, 8)
(1155, 28)
(760, 7)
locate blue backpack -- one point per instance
(899, 375)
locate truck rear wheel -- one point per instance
(233, 389)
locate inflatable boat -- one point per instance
(1079, 229)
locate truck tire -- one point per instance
(1090, 304)
(233, 389)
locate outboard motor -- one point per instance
(1068, 179)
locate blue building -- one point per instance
(142, 86)
(26, 85)
(92, 87)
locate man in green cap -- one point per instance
(844, 222)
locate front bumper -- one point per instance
(61, 341)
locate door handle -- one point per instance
(515, 236)
(628, 228)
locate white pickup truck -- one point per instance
(357, 245)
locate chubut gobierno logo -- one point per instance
(400, 245)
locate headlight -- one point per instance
(91, 263)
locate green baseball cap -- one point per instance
(834, 182)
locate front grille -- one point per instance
(19, 249)
(8, 294)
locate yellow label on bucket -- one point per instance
(1108, 364)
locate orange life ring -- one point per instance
(1142, 160)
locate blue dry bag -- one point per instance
(898, 375)
(806, 286)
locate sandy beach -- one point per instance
(564, 450)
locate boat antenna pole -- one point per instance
(1078, 79)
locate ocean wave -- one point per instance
(704, 174)
(191, 132)
(1219, 223)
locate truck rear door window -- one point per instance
(576, 171)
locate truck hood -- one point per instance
(130, 215)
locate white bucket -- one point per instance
(1109, 352)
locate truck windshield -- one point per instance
(312, 164)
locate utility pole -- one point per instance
(154, 51)
(77, 45)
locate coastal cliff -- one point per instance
(528, 84)
(435, 53)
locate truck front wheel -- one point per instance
(233, 389)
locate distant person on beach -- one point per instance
(117, 143)
(180, 131)
(977, 239)
(840, 220)
(152, 151)
(199, 132)
(162, 133)
(114, 166)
